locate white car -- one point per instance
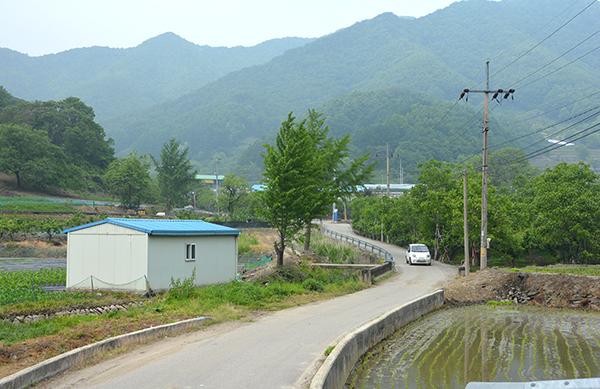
(418, 254)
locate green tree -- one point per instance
(233, 193)
(336, 176)
(29, 155)
(304, 174)
(566, 211)
(205, 198)
(504, 170)
(6, 99)
(68, 124)
(175, 174)
(288, 182)
(128, 179)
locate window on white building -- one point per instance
(190, 251)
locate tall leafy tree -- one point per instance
(29, 155)
(68, 124)
(6, 99)
(288, 180)
(566, 211)
(305, 172)
(233, 193)
(175, 173)
(129, 179)
(336, 176)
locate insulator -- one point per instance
(508, 93)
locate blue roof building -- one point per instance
(115, 252)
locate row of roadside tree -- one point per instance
(533, 217)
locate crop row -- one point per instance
(24, 279)
(24, 285)
(36, 293)
(11, 225)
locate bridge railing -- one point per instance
(381, 253)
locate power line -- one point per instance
(561, 131)
(486, 92)
(553, 147)
(544, 40)
(557, 58)
(547, 127)
(562, 67)
(558, 108)
(538, 30)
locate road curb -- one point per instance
(334, 372)
(60, 363)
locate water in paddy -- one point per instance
(450, 348)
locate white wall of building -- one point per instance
(216, 259)
(111, 253)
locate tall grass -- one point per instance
(577, 270)
(245, 243)
(331, 251)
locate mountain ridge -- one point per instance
(115, 81)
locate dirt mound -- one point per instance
(555, 290)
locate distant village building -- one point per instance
(211, 180)
(118, 251)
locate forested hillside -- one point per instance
(387, 80)
(440, 55)
(413, 124)
(116, 81)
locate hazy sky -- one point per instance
(38, 27)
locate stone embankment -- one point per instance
(74, 312)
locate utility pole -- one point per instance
(401, 173)
(484, 190)
(466, 225)
(217, 159)
(387, 153)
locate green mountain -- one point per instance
(390, 79)
(116, 81)
(415, 126)
(438, 55)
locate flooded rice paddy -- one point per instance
(450, 348)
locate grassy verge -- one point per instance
(25, 344)
(564, 269)
(22, 345)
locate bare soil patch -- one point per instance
(543, 289)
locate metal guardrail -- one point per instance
(386, 255)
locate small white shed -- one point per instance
(117, 251)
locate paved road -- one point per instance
(277, 350)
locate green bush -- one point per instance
(179, 289)
(313, 285)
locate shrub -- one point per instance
(182, 289)
(313, 285)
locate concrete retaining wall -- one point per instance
(60, 363)
(334, 372)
